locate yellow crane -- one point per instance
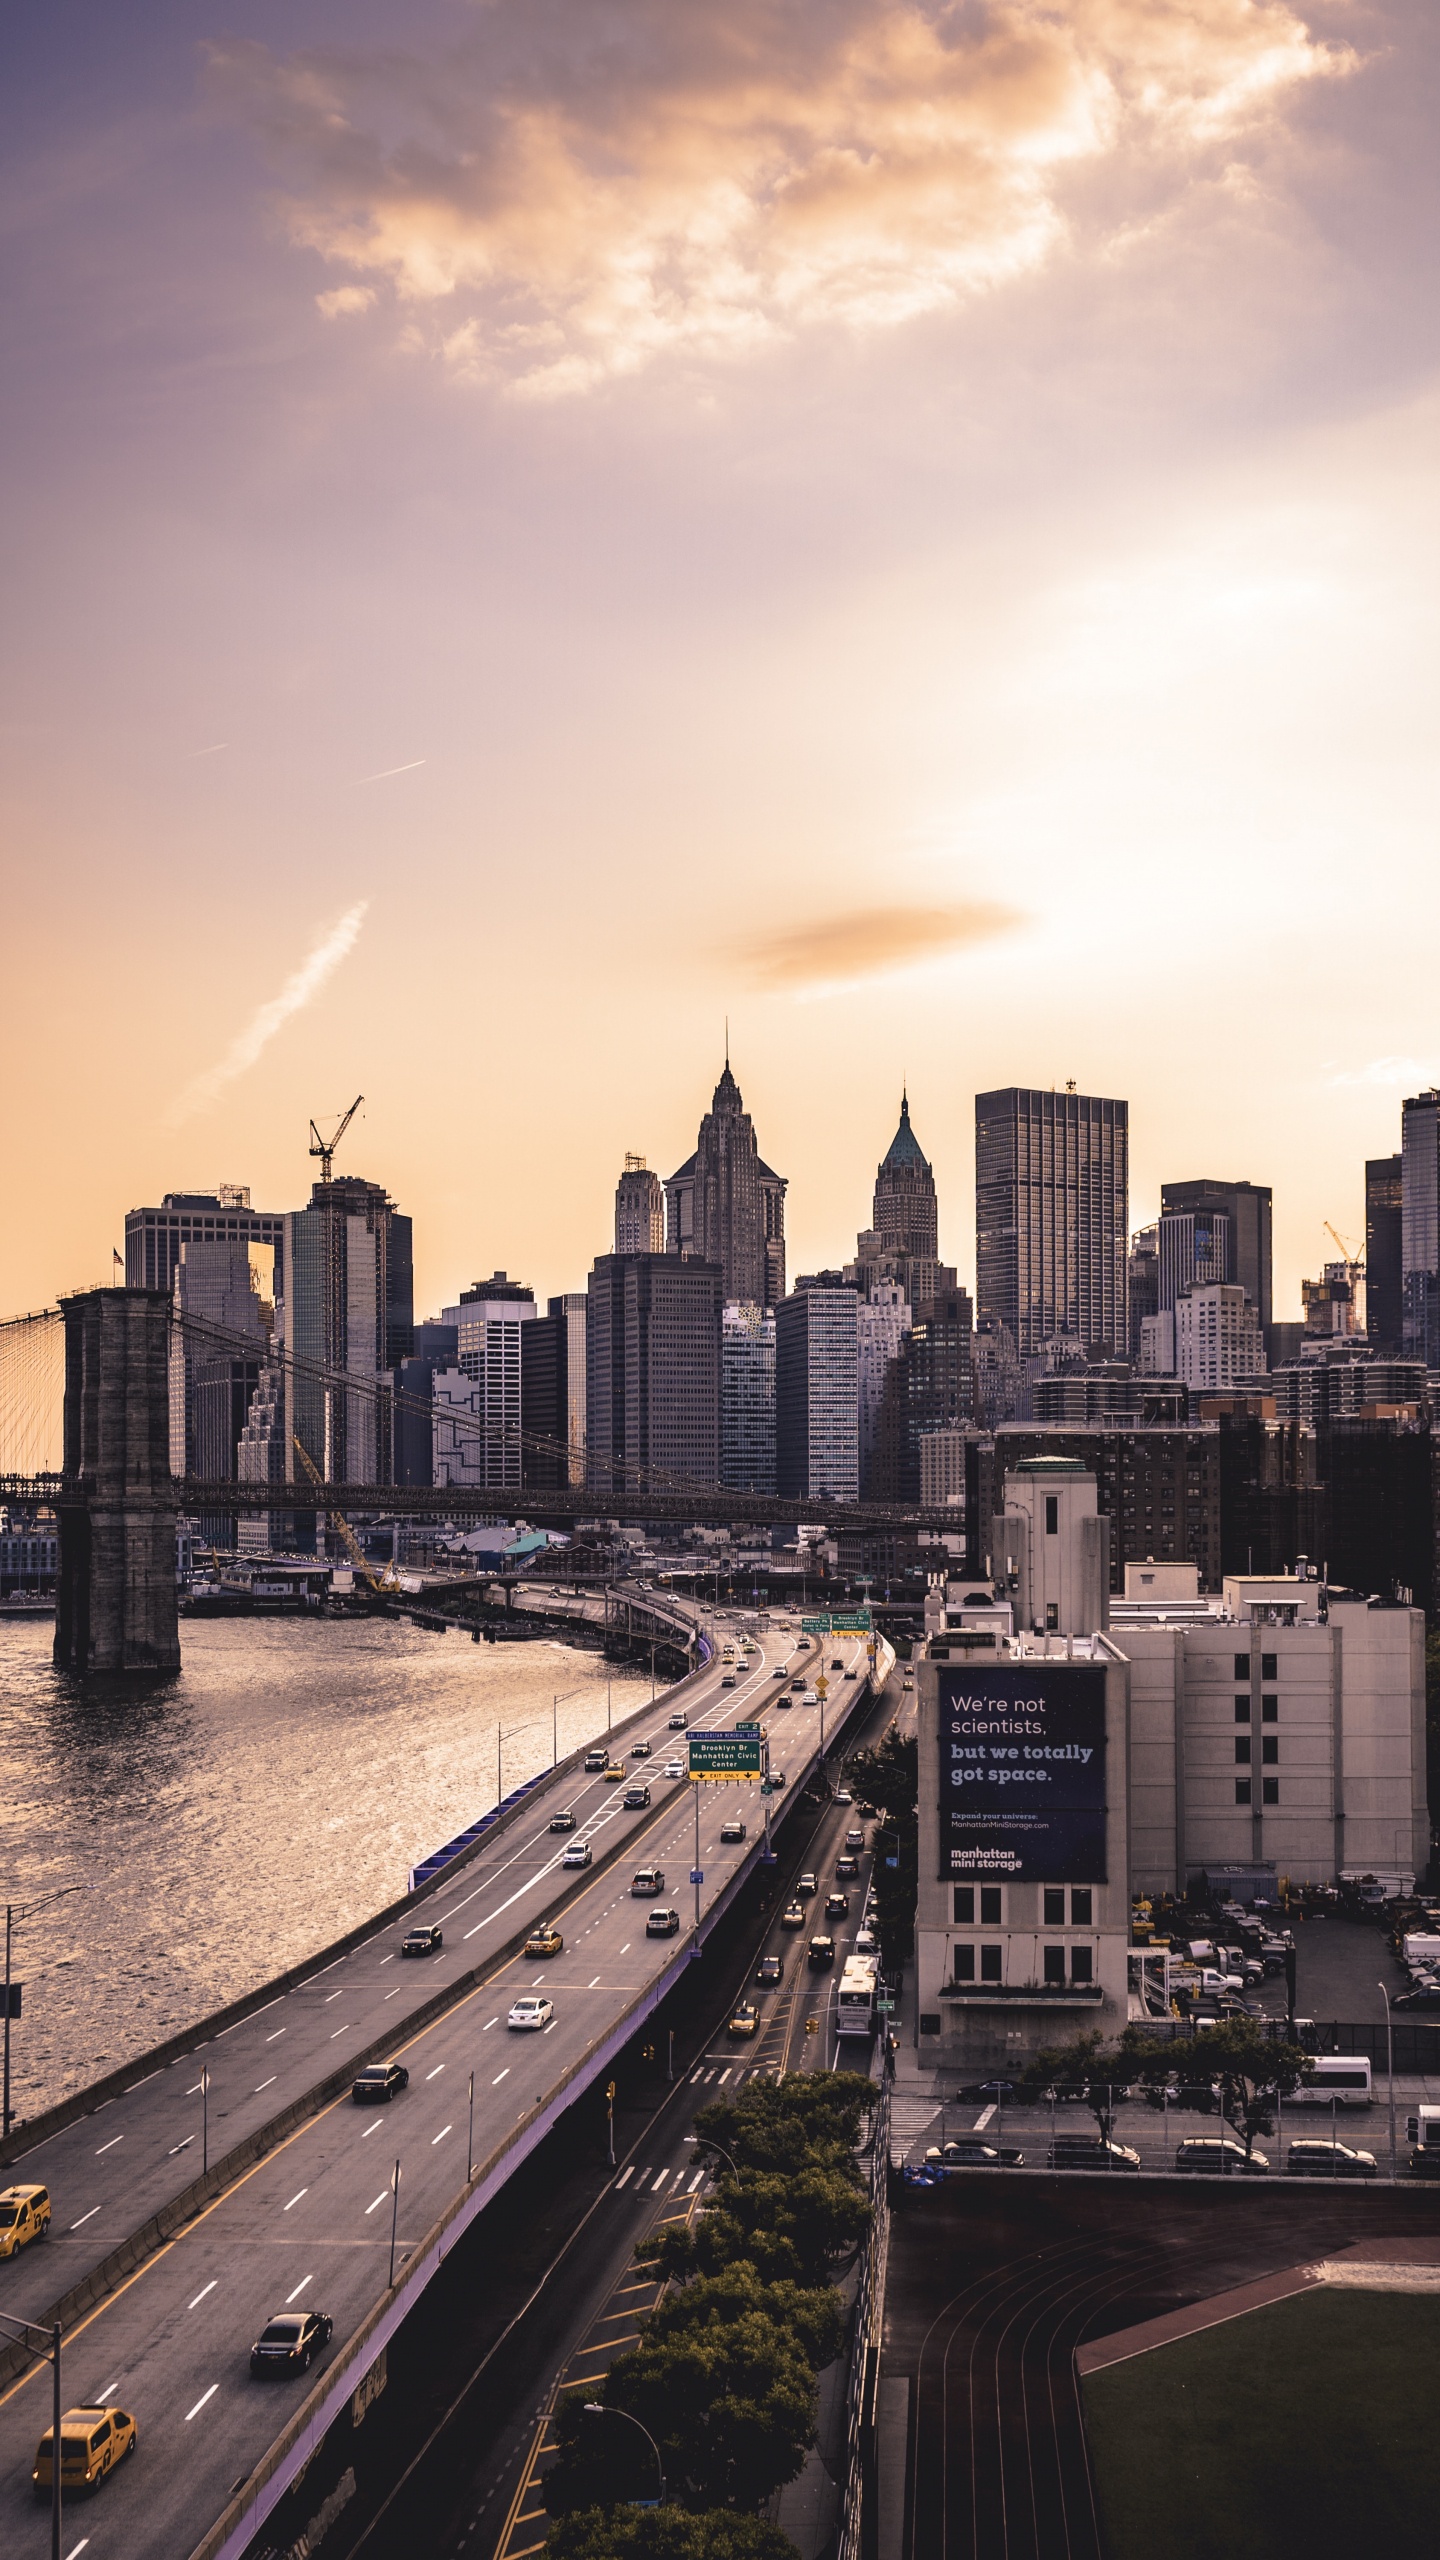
(389, 1580)
(1355, 1260)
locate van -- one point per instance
(92, 2442)
(647, 1883)
(24, 2216)
(1343, 2079)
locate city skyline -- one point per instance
(976, 621)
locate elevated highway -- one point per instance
(309, 2222)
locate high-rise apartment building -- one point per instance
(1218, 1342)
(477, 1421)
(1247, 1205)
(1420, 1227)
(639, 1209)
(1384, 1226)
(747, 1399)
(552, 1393)
(652, 1372)
(817, 1407)
(1051, 1215)
(348, 1306)
(1193, 1248)
(724, 1205)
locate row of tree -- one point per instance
(724, 2378)
(1234, 2068)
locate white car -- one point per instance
(843, 1796)
(674, 1769)
(865, 1942)
(532, 2009)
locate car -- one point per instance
(545, 1941)
(662, 1923)
(732, 1830)
(777, 1778)
(811, 1698)
(1422, 1995)
(531, 2010)
(745, 2020)
(855, 1839)
(808, 1884)
(646, 1883)
(1321, 2159)
(727, 1679)
(909, 1680)
(847, 1865)
(578, 1854)
(614, 1773)
(674, 1769)
(291, 2341)
(770, 1970)
(679, 1722)
(779, 1671)
(378, 2083)
(793, 1916)
(843, 1796)
(822, 1952)
(798, 1685)
(595, 1761)
(972, 2153)
(92, 2442)
(852, 1673)
(837, 1661)
(422, 1942)
(24, 2216)
(1218, 2155)
(1089, 2151)
(635, 1799)
(784, 1702)
(562, 1821)
(837, 1906)
(639, 1750)
(866, 1942)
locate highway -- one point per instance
(310, 2224)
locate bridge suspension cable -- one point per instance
(32, 1392)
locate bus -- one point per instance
(1345, 2077)
(855, 1999)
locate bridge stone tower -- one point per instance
(117, 1605)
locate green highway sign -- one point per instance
(841, 1622)
(727, 1755)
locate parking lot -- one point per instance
(1153, 2132)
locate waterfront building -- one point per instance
(552, 1392)
(639, 1209)
(1384, 1257)
(1051, 1215)
(652, 1372)
(817, 1394)
(219, 1342)
(347, 1306)
(725, 1205)
(477, 1422)
(437, 1346)
(1218, 1342)
(1247, 1207)
(747, 1399)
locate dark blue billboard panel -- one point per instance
(1022, 1772)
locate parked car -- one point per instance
(646, 1883)
(1091, 2151)
(1219, 2155)
(422, 1942)
(1421, 1995)
(92, 2442)
(24, 2216)
(662, 1923)
(770, 1970)
(866, 1942)
(732, 1831)
(974, 2153)
(378, 2083)
(545, 1941)
(291, 2341)
(636, 1799)
(562, 1821)
(822, 1953)
(577, 1855)
(1320, 2159)
(532, 2009)
(793, 1916)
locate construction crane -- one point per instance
(389, 1580)
(1356, 1260)
(325, 1148)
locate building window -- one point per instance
(1242, 1710)
(1082, 1964)
(1269, 1666)
(1054, 1964)
(964, 1964)
(1052, 1515)
(1270, 1748)
(1242, 1790)
(964, 1905)
(1242, 1750)
(1052, 1617)
(1269, 1710)
(992, 1961)
(1054, 1906)
(1270, 1790)
(1242, 1666)
(990, 1911)
(1081, 1902)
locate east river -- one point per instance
(236, 1818)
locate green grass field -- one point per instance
(1302, 2431)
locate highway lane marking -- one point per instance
(694, 2076)
(332, 1995)
(84, 2542)
(499, 2076)
(204, 2289)
(620, 2181)
(489, 2023)
(372, 2208)
(595, 1985)
(327, 1968)
(266, 2084)
(435, 2074)
(983, 2119)
(695, 2181)
(275, 2038)
(340, 2031)
(86, 2217)
(440, 2136)
(104, 2147)
(387, 1959)
(180, 2146)
(199, 2405)
(625, 1950)
(303, 2191)
(369, 2129)
(299, 2289)
(395, 1994)
(724, 2076)
(190, 2093)
(130, 2092)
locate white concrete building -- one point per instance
(1217, 1336)
(942, 1466)
(484, 1386)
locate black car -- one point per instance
(562, 1821)
(732, 1831)
(847, 1866)
(770, 1969)
(822, 1953)
(836, 1906)
(291, 2341)
(1425, 1995)
(378, 2083)
(422, 1942)
(661, 1923)
(975, 2154)
(635, 1799)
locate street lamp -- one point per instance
(16, 1911)
(1390, 2070)
(602, 2409)
(703, 2142)
(52, 2354)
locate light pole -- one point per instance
(52, 2354)
(702, 2142)
(1390, 2070)
(14, 1912)
(602, 2409)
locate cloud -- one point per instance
(345, 299)
(871, 941)
(585, 188)
(260, 1030)
(1416, 1074)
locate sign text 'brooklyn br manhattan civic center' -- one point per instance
(1022, 1773)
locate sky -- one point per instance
(534, 529)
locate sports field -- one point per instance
(1307, 2427)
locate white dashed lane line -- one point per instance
(199, 2405)
(104, 2147)
(289, 2208)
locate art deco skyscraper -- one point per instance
(1052, 1177)
(902, 1242)
(639, 1209)
(726, 1206)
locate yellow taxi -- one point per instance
(614, 1773)
(24, 2216)
(92, 2442)
(745, 2020)
(545, 1941)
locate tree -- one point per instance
(730, 2403)
(811, 2312)
(783, 2124)
(1087, 2068)
(791, 2226)
(665, 2533)
(1249, 2068)
(886, 1783)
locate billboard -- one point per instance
(726, 1754)
(1022, 1772)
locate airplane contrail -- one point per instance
(389, 769)
(260, 1030)
(197, 752)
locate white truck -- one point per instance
(1423, 2130)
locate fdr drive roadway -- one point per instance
(309, 2224)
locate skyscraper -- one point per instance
(552, 1392)
(1247, 1205)
(724, 1205)
(817, 1410)
(902, 1242)
(1194, 1248)
(155, 1238)
(747, 1399)
(1051, 1203)
(639, 1209)
(652, 1372)
(348, 1305)
(477, 1416)
(213, 1381)
(1420, 1226)
(1384, 1226)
